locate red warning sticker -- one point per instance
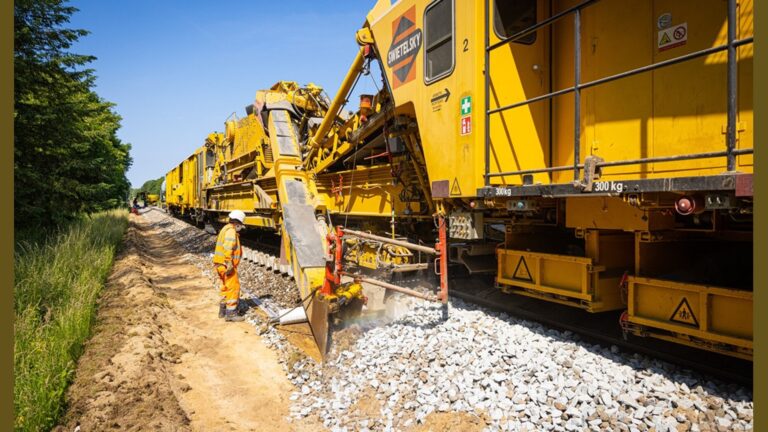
(466, 125)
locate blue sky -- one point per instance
(178, 69)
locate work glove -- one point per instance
(342, 301)
(230, 269)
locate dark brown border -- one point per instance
(6, 215)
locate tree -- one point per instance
(151, 186)
(67, 156)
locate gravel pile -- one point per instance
(513, 374)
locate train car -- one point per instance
(612, 139)
(184, 186)
(596, 154)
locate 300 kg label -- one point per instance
(608, 186)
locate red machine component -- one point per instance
(334, 269)
(338, 190)
(442, 248)
(688, 205)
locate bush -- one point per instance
(57, 282)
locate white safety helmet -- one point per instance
(237, 215)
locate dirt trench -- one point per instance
(160, 359)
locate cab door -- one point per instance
(519, 71)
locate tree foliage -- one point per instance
(67, 157)
(150, 187)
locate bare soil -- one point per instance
(450, 422)
(161, 359)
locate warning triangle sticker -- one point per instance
(665, 39)
(455, 189)
(522, 272)
(683, 314)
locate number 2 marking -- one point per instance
(466, 45)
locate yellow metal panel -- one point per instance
(520, 136)
(591, 282)
(259, 221)
(568, 276)
(612, 213)
(745, 55)
(549, 273)
(731, 314)
(364, 191)
(689, 99)
(712, 314)
(618, 117)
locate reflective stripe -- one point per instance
(228, 248)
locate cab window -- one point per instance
(513, 16)
(438, 40)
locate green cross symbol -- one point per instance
(466, 105)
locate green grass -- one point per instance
(58, 279)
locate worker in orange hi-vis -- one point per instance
(226, 258)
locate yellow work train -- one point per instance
(592, 153)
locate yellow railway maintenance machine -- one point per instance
(601, 149)
(596, 154)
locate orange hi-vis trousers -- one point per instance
(230, 287)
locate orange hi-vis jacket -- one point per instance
(228, 247)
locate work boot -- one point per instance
(232, 316)
(222, 309)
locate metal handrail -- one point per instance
(707, 155)
(625, 74)
(732, 43)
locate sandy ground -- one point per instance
(160, 359)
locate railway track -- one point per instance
(601, 328)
